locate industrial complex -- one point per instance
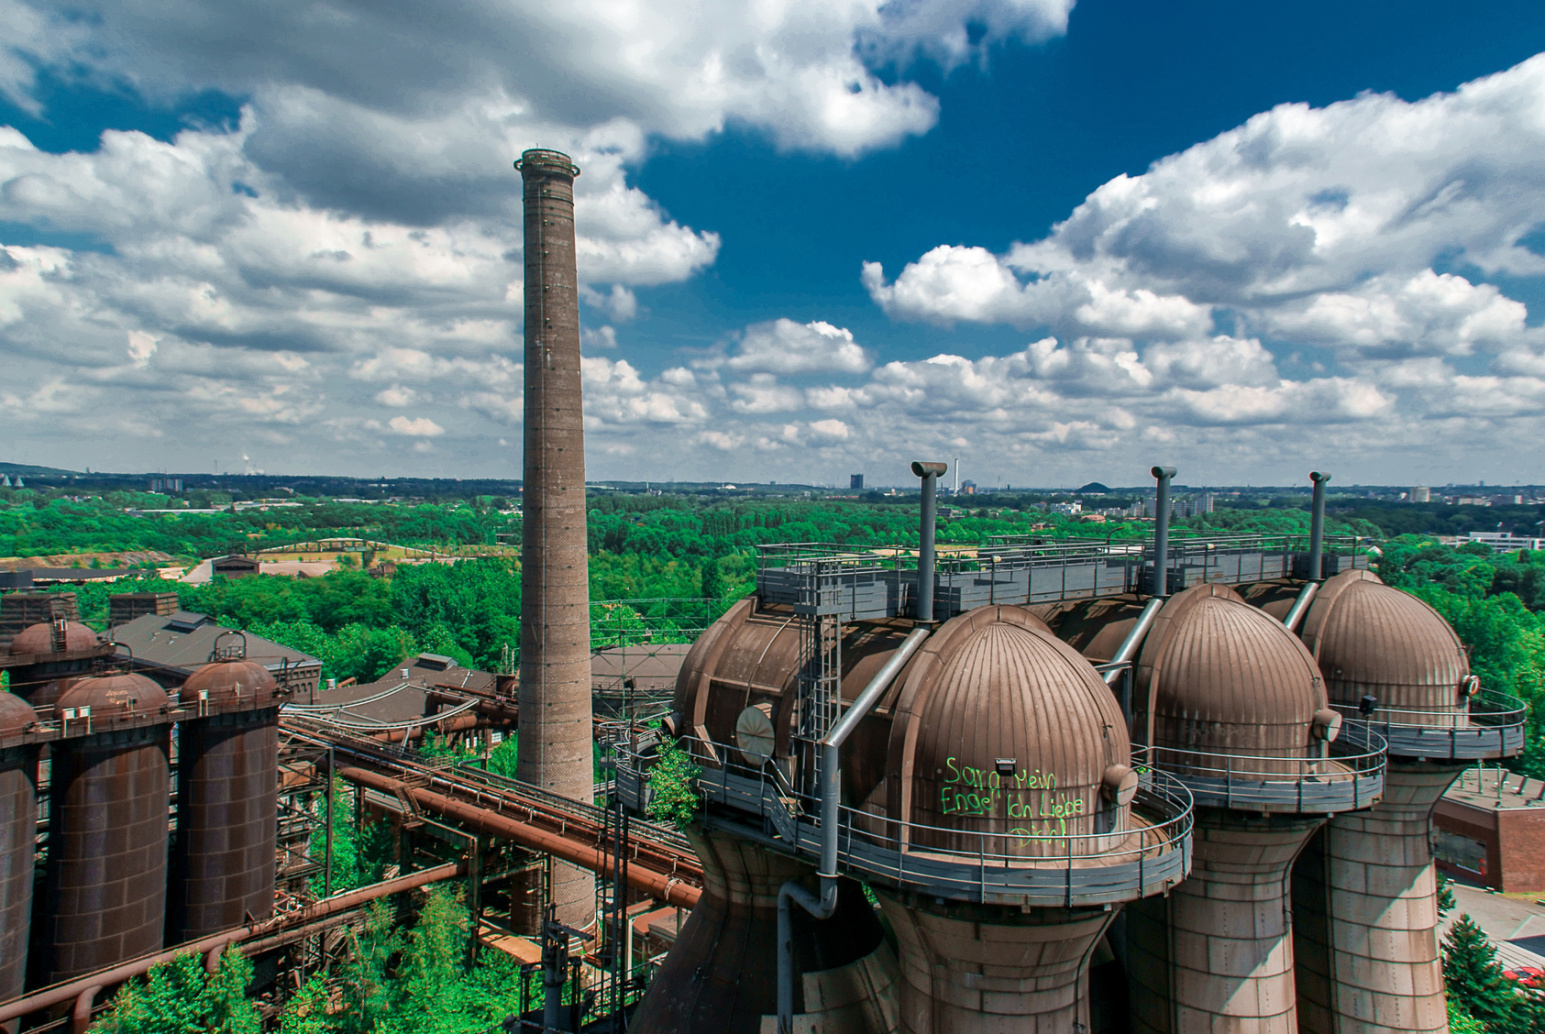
(1182, 786)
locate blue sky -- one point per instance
(1062, 242)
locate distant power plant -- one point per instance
(1091, 788)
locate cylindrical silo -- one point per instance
(1233, 705)
(1365, 890)
(736, 689)
(227, 798)
(18, 833)
(1003, 740)
(105, 892)
(556, 736)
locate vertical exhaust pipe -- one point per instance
(1160, 582)
(927, 521)
(1317, 527)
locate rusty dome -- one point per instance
(749, 660)
(16, 717)
(1218, 676)
(114, 693)
(39, 638)
(1002, 728)
(1096, 628)
(1373, 639)
(231, 683)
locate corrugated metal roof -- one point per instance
(159, 641)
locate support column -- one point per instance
(974, 969)
(721, 978)
(1365, 900)
(1217, 953)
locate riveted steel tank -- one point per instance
(227, 777)
(735, 691)
(105, 891)
(1002, 734)
(1365, 892)
(18, 831)
(1232, 702)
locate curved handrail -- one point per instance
(1349, 776)
(1491, 727)
(1014, 865)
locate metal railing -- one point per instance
(1029, 570)
(1348, 777)
(1148, 853)
(1491, 726)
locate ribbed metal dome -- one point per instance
(235, 683)
(749, 660)
(1373, 639)
(1220, 677)
(114, 693)
(995, 686)
(39, 638)
(15, 717)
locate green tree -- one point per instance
(1474, 979)
(177, 997)
(673, 797)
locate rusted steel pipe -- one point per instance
(76, 989)
(661, 886)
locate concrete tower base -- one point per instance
(1216, 955)
(973, 969)
(721, 977)
(1365, 905)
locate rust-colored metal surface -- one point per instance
(721, 975)
(750, 658)
(39, 638)
(995, 685)
(18, 822)
(1220, 677)
(555, 732)
(105, 891)
(227, 801)
(223, 685)
(1276, 596)
(1373, 639)
(1095, 628)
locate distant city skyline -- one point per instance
(1065, 241)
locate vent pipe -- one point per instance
(1317, 527)
(555, 729)
(1160, 583)
(927, 520)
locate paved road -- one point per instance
(1516, 927)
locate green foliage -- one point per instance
(1446, 900)
(360, 856)
(414, 980)
(673, 796)
(1461, 1022)
(177, 997)
(1474, 979)
(502, 759)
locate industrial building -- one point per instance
(1184, 788)
(1181, 785)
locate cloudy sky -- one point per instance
(1060, 242)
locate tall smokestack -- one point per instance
(555, 734)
